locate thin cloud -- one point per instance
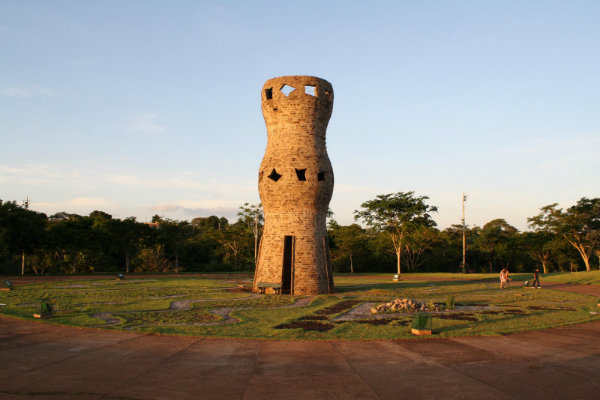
(146, 123)
(16, 92)
(190, 208)
(165, 208)
(79, 205)
(341, 188)
(25, 92)
(33, 173)
(131, 180)
(178, 183)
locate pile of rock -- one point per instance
(403, 305)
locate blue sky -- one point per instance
(139, 108)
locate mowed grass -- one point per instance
(218, 307)
(583, 277)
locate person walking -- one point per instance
(503, 277)
(536, 279)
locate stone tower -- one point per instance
(295, 183)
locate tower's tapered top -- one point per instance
(297, 97)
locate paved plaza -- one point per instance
(41, 361)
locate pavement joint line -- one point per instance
(545, 361)
(337, 349)
(70, 358)
(46, 341)
(557, 336)
(251, 374)
(550, 346)
(485, 383)
(33, 393)
(154, 365)
(547, 365)
(550, 359)
(417, 356)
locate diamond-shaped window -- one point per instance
(287, 89)
(274, 175)
(308, 89)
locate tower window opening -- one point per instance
(301, 174)
(309, 89)
(269, 93)
(274, 175)
(286, 89)
(321, 176)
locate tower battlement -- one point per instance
(296, 97)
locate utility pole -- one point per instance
(26, 205)
(464, 227)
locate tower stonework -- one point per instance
(295, 183)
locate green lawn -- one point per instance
(217, 307)
(588, 278)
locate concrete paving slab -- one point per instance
(394, 372)
(534, 349)
(18, 339)
(48, 349)
(208, 369)
(446, 351)
(96, 368)
(533, 379)
(304, 370)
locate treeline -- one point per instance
(399, 235)
(71, 243)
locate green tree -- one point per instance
(125, 236)
(173, 234)
(418, 242)
(236, 246)
(579, 225)
(252, 216)
(396, 214)
(76, 243)
(21, 230)
(540, 245)
(209, 223)
(496, 239)
(41, 260)
(348, 240)
(152, 259)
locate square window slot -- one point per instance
(301, 174)
(309, 89)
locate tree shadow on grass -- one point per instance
(509, 315)
(400, 285)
